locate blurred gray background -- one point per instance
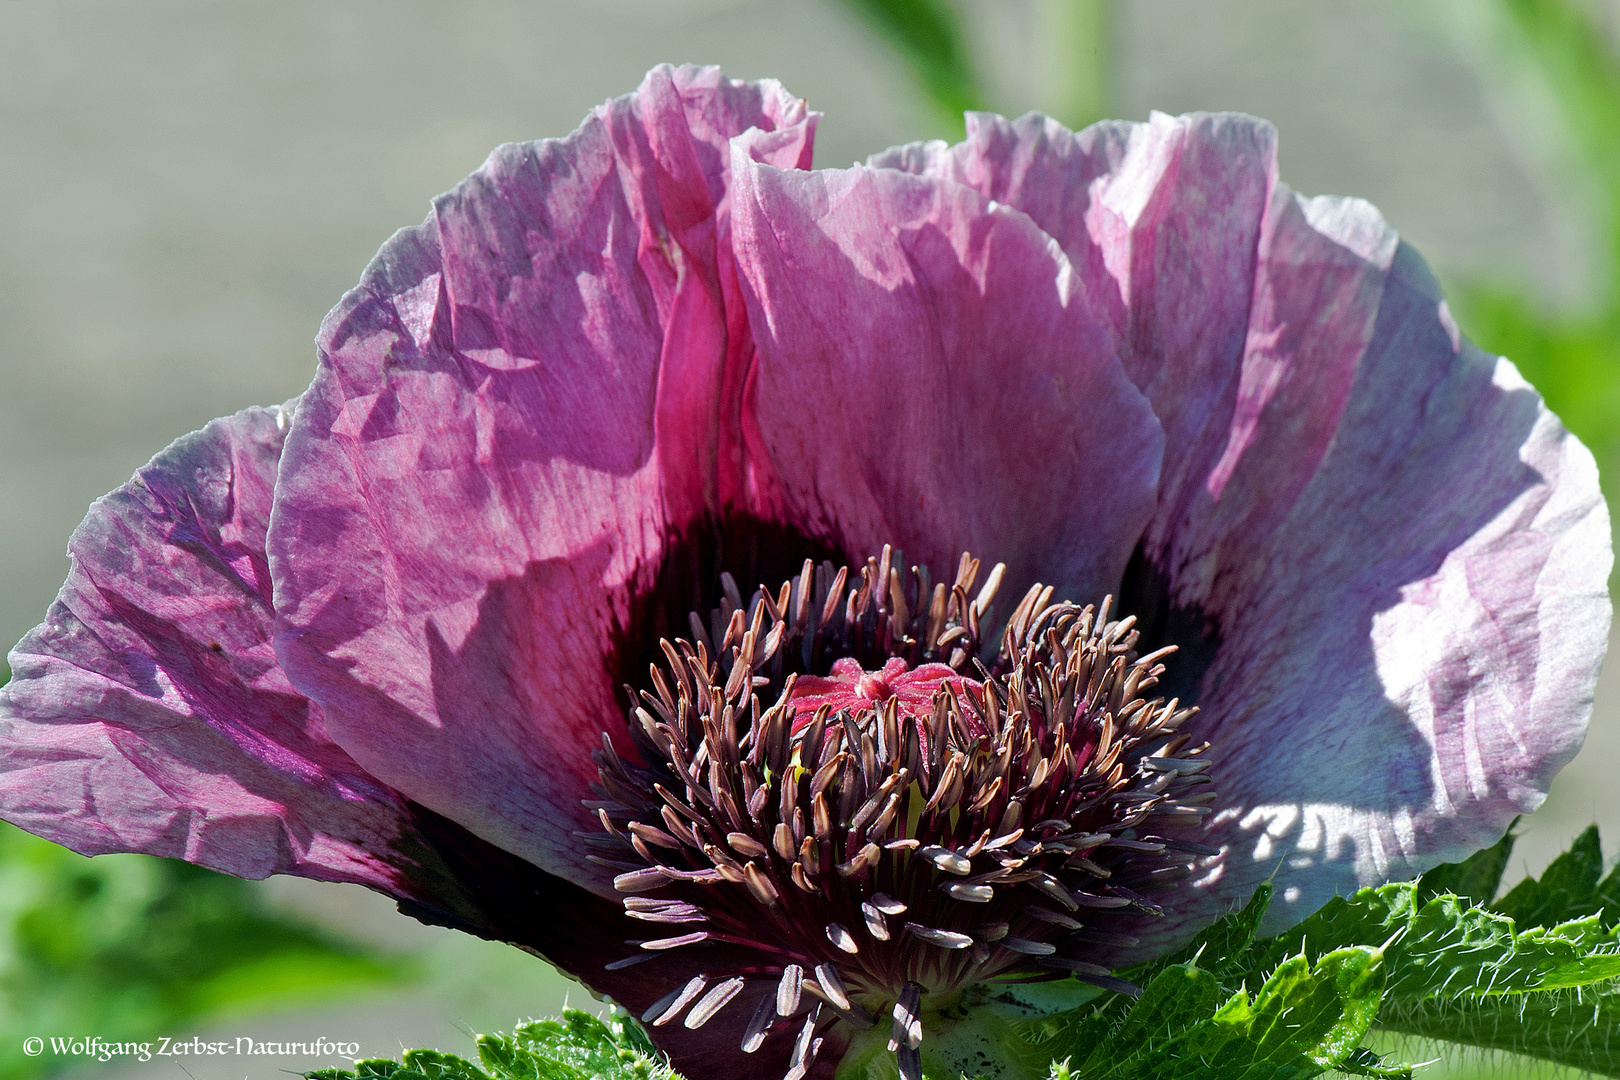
(186, 187)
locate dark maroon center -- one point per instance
(827, 786)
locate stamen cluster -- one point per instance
(877, 853)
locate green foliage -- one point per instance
(1445, 946)
(1574, 361)
(1569, 889)
(1581, 1030)
(1536, 975)
(127, 946)
(1223, 948)
(414, 1065)
(1305, 1018)
(576, 1047)
(1477, 878)
(1548, 979)
(1196, 1016)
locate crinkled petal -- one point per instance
(1396, 555)
(1411, 612)
(147, 713)
(931, 375)
(514, 414)
(1161, 222)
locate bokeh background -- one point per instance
(186, 186)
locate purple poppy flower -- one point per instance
(568, 606)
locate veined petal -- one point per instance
(147, 713)
(514, 414)
(1385, 560)
(1421, 599)
(931, 375)
(1161, 221)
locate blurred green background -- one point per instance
(187, 185)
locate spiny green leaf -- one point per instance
(1304, 1020)
(1495, 979)
(1358, 984)
(440, 1066)
(382, 1069)
(1179, 996)
(1181, 1017)
(1441, 946)
(368, 1069)
(1476, 878)
(1221, 949)
(1448, 947)
(504, 1058)
(576, 1046)
(1073, 1034)
(1567, 890)
(1544, 935)
(1363, 1062)
(616, 1048)
(1608, 892)
(1318, 1014)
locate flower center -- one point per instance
(851, 688)
(829, 788)
(874, 687)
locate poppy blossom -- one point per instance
(783, 598)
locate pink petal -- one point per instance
(931, 375)
(147, 713)
(1161, 222)
(1399, 555)
(515, 411)
(1411, 610)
